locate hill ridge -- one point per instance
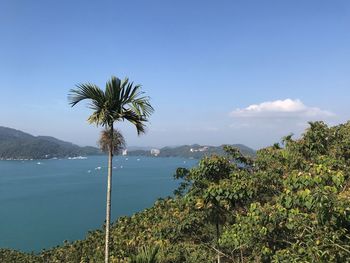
(195, 151)
(16, 144)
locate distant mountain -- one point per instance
(15, 144)
(137, 148)
(195, 151)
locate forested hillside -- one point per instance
(16, 144)
(291, 203)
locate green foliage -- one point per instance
(289, 204)
(305, 215)
(145, 255)
(7, 255)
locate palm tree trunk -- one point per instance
(217, 239)
(109, 192)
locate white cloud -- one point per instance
(281, 109)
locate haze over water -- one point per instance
(46, 202)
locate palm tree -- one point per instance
(121, 101)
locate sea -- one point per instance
(45, 202)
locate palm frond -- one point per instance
(112, 92)
(138, 120)
(131, 93)
(134, 98)
(96, 99)
(124, 82)
(142, 106)
(99, 117)
(86, 92)
(146, 255)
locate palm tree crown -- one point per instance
(121, 100)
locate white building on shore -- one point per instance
(155, 152)
(203, 149)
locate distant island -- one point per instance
(15, 145)
(194, 151)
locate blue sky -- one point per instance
(217, 71)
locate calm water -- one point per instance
(43, 203)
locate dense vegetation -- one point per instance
(16, 144)
(184, 151)
(291, 203)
